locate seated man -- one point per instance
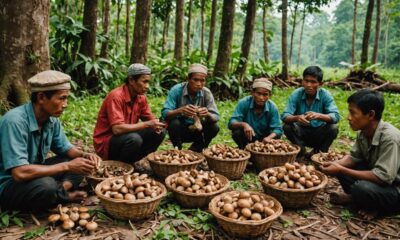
(256, 117)
(190, 100)
(311, 114)
(370, 175)
(29, 181)
(118, 134)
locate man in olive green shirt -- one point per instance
(370, 175)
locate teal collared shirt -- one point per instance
(323, 103)
(268, 122)
(179, 96)
(20, 137)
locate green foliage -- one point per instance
(346, 215)
(305, 213)
(249, 182)
(7, 218)
(35, 233)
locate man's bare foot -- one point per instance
(77, 196)
(67, 185)
(367, 215)
(340, 198)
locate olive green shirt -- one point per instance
(383, 155)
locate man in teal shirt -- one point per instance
(311, 115)
(256, 117)
(29, 181)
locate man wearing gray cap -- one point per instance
(256, 117)
(29, 181)
(191, 111)
(118, 134)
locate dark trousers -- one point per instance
(179, 133)
(320, 138)
(240, 138)
(369, 195)
(133, 146)
(39, 194)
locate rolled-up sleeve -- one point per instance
(388, 164)
(275, 122)
(211, 106)
(238, 114)
(290, 108)
(331, 109)
(171, 103)
(60, 144)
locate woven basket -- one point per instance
(163, 170)
(93, 181)
(230, 168)
(124, 209)
(317, 162)
(244, 229)
(293, 198)
(195, 200)
(267, 160)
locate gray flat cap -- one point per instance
(49, 80)
(138, 69)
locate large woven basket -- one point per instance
(244, 229)
(195, 200)
(293, 198)
(267, 160)
(230, 168)
(124, 209)
(93, 181)
(163, 170)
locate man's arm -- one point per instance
(118, 129)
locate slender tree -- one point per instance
(189, 23)
(106, 26)
(284, 41)
(212, 30)
(127, 27)
(292, 34)
(353, 37)
(301, 37)
(119, 8)
(377, 32)
(178, 50)
(141, 32)
(265, 33)
(367, 32)
(202, 10)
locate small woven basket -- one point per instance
(317, 162)
(230, 168)
(293, 198)
(124, 209)
(244, 229)
(163, 170)
(195, 200)
(267, 160)
(93, 181)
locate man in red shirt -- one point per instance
(118, 134)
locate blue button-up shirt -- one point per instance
(20, 137)
(323, 103)
(179, 96)
(263, 125)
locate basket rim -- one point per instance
(174, 190)
(111, 162)
(202, 158)
(211, 207)
(134, 202)
(306, 190)
(314, 156)
(273, 154)
(206, 154)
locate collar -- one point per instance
(185, 91)
(266, 105)
(33, 125)
(377, 134)
(304, 97)
(125, 93)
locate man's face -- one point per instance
(196, 82)
(311, 85)
(261, 96)
(54, 106)
(357, 119)
(141, 85)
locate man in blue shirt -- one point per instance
(256, 117)
(29, 181)
(311, 115)
(187, 101)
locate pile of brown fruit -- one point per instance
(225, 152)
(328, 156)
(73, 216)
(173, 156)
(295, 176)
(131, 188)
(196, 182)
(106, 171)
(272, 146)
(246, 206)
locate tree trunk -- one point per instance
(377, 32)
(284, 41)
(178, 50)
(165, 33)
(386, 37)
(154, 27)
(106, 26)
(202, 9)
(119, 8)
(225, 39)
(127, 27)
(212, 29)
(265, 34)
(292, 35)
(188, 28)
(247, 38)
(24, 47)
(367, 32)
(301, 38)
(353, 37)
(141, 31)
(66, 8)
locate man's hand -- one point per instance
(312, 116)
(267, 139)
(303, 120)
(93, 157)
(248, 131)
(82, 166)
(203, 112)
(189, 110)
(156, 125)
(331, 168)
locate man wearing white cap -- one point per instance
(256, 117)
(189, 101)
(119, 135)
(29, 181)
